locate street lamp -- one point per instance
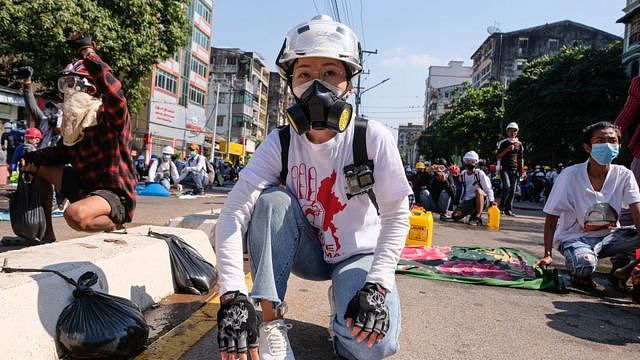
(359, 95)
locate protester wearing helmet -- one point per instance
(164, 171)
(289, 227)
(100, 183)
(420, 182)
(8, 142)
(32, 138)
(476, 191)
(511, 166)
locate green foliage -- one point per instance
(557, 96)
(474, 123)
(131, 36)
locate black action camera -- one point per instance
(359, 179)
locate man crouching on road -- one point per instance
(96, 138)
(322, 223)
(583, 207)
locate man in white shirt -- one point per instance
(164, 171)
(320, 224)
(476, 191)
(583, 207)
(195, 171)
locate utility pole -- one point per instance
(230, 115)
(358, 93)
(215, 121)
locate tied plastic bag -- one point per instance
(192, 274)
(26, 211)
(100, 326)
(96, 325)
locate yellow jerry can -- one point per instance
(493, 221)
(421, 227)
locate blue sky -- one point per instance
(410, 35)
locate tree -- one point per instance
(474, 123)
(558, 95)
(131, 35)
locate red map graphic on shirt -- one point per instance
(325, 206)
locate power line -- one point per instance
(316, 6)
(335, 6)
(364, 42)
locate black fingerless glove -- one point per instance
(368, 309)
(83, 42)
(237, 323)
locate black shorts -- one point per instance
(72, 190)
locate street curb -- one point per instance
(130, 265)
(179, 340)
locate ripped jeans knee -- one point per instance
(580, 262)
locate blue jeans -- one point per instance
(439, 205)
(509, 181)
(280, 241)
(194, 180)
(582, 254)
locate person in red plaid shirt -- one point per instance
(96, 143)
(627, 121)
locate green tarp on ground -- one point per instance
(498, 266)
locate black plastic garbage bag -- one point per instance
(100, 326)
(26, 211)
(192, 274)
(96, 325)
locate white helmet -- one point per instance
(512, 125)
(471, 157)
(8, 126)
(168, 150)
(320, 36)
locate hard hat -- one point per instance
(168, 150)
(512, 125)
(471, 157)
(420, 165)
(600, 214)
(322, 37)
(33, 133)
(8, 126)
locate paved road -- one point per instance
(444, 319)
(460, 321)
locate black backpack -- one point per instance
(359, 153)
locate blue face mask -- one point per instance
(166, 157)
(192, 154)
(604, 154)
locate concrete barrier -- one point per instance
(132, 265)
(204, 221)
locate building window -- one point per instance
(196, 96)
(166, 81)
(520, 63)
(232, 61)
(634, 31)
(203, 10)
(200, 38)
(199, 67)
(523, 45)
(220, 120)
(176, 56)
(553, 44)
(241, 121)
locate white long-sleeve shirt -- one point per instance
(347, 226)
(163, 169)
(469, 184)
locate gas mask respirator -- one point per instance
(319, 108)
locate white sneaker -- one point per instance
(332, 316)
(274, 342)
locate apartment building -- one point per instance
(407, 142)
(242, 105)
(280, 99)
(503, 55)
(175, 113)
(631, 52)
(442, 85)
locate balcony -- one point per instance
(225, 69)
